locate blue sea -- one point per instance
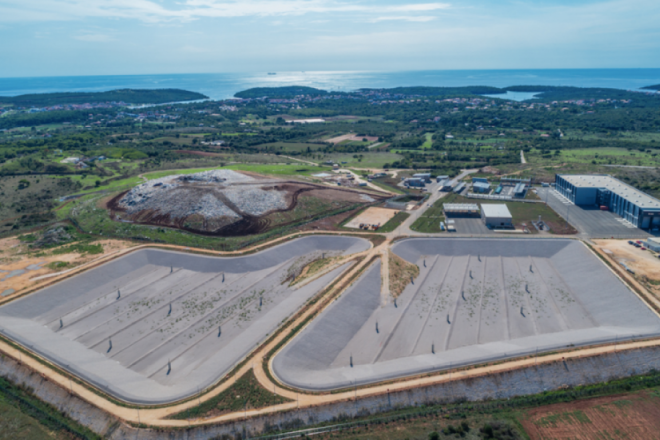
(225, 85)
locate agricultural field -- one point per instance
(634, 416)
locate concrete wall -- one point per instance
(531, 380)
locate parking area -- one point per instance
(470, 226)
(590, 222)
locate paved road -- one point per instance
(522, 157)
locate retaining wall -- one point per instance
(525, 381)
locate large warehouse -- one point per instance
(496, 216)
(638, 208)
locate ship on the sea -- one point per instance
(272, 73)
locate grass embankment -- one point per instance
(400, 273)
(394, 222)
(246, 393)
(313, 268)
(429, 222)
(521, 212)
(24, 417)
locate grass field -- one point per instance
(246, 393)
(429, 222)
(428, 143)
(394, 222)
(295, 169)
(601, 156)
(367, 160)
(618, 135)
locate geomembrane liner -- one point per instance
(475, 300)
(156, 326)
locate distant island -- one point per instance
(129, 96)
(542, 93)
(655, 87)
(280, 92)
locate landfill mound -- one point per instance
(216, 202)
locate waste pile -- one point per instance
(217, 194)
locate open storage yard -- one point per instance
(473, 301)
(156, 326)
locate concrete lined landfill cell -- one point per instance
(156, 326)
(475, 300)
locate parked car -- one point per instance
(631, 242)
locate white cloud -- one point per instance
(150, 11)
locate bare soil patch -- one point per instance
(631, 416)
(351, 137)
(644, 263)
(372, 216)
(27, 264)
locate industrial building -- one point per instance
(496, 216)
(611, 194)
(426, 177)
(653, 243)
(447, 185)
(415, 182)
(461, 210)
(441, 178)
(519, 190)
(481, 187)
(460, 187)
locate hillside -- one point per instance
(130, 96)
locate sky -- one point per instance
(114, 37)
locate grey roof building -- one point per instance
(637, 207)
